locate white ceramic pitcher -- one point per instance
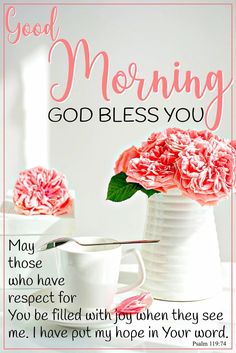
(185, 265)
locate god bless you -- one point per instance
(123, 81)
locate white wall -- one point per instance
(154, 37)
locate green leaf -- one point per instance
(149, 193)
(119, 190)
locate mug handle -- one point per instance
(141, 272)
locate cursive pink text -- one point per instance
(17, 30)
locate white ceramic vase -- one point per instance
(185, 265)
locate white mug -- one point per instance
(91, 273)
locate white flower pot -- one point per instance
(185, 265)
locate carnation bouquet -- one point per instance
(198, 163)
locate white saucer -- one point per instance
(128, 274)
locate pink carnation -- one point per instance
(173, 139)
(155, 167)
(135, 304)
(156, 139)
(123, 161)
(153, 170)
(41, 191)
(199, 163)
(177, 140)
(206, 169)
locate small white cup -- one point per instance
(91, 273)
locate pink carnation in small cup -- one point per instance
(135, 304)
(41, 191)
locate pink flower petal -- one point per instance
(135, 304)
